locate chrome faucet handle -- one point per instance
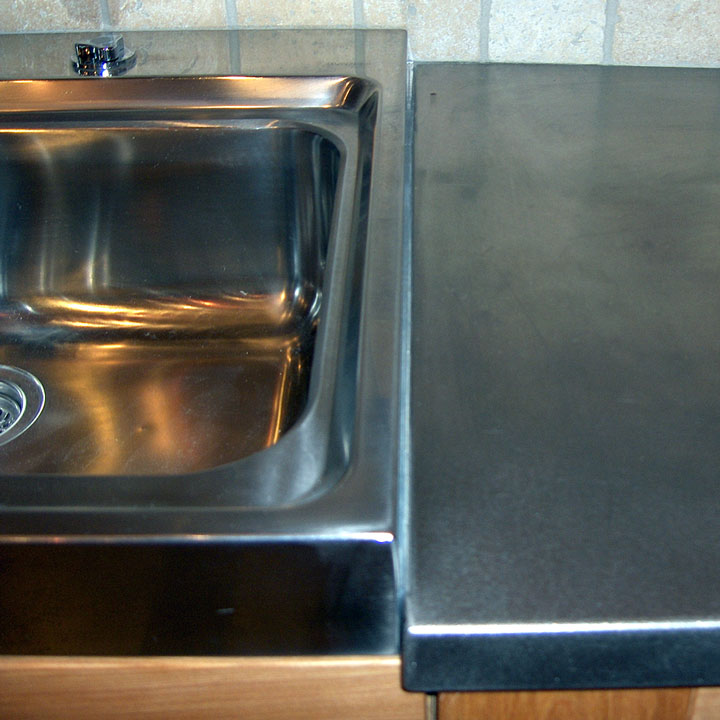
(104, 56)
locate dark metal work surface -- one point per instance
(564, 524)
(200, 265)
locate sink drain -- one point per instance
(21, 401)
(11, 405)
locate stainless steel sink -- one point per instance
(168, 264)
(203, 273)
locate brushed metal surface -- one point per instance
(565, 379)
(164, 275)
(166, 285)
(203, 269)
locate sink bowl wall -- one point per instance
(164, 283)
(181, 266)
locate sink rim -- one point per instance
(167, 95)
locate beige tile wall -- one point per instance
(542, 31)
(645, 32)
(668, 32)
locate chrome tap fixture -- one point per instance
(104, 56)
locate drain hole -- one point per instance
(21, 401)
(12, 404)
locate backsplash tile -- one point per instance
(441, 30)
(560, 31)
(635, 32)
(49, 15)
(385, 13)
(297, 13)
(167, 14)
(667, 32)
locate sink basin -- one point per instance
(167, 268)
(176, 262)
(203, 275)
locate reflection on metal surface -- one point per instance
(166, 283)
(228, 315)
(161, 407)
(558, 628)
(219, 94)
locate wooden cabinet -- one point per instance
(331, 688)
(652, 704)
(325, 688)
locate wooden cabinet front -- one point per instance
(651, 704)
(330, 688)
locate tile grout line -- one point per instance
(231, 14)
(484, 29)
(231, 21)
(611, 19)
(358, 14)
(105, 19)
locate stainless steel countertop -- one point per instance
(565, 414)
